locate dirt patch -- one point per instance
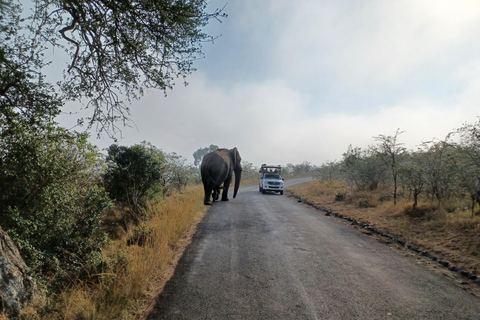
(447, 244)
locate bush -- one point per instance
(51, 202)
(362, 199)
(339, 197)
(420, 211)
(132, 174)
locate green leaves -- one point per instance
(117, 48)
(132, 172)
(201, 152)
(51, 201)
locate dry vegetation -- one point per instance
(449, 232)
(134, 274)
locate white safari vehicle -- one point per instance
(270, 179)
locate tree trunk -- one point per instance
(394, 190)
(473, 206)
(415, 197)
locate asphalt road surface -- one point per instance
(264, 256)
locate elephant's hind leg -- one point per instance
(226, 185)
(207, 201)
(208, 192)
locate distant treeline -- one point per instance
(250, 171)
(439, 169)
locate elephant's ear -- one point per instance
(236, 158)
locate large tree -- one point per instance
(50, 198)
(201, 152)
(119, 48)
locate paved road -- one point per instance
(267, 257)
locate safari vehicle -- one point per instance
(270, 179)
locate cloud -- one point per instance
(374, 42)
(268, 123)
(250, 116)
(300, 81)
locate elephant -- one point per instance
(216, 169)
(216, 193)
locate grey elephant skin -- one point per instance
(217, 168)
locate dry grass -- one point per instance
(127, 286)
(449, 232)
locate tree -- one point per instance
(365, 168)
(412, 173)
(177, 172)
(119, 48)
(201, 152)
(469, 135)
(303, 168)
(287, 170)
(466, 158)
(391, 149)
(50, 200)
(132, 173)
(438, 171)
(466, 173)
(250, 172)
(328, 171)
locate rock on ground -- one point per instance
(16, 287)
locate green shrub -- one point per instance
(51, 201)
(132, 174)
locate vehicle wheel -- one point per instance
(263, 191)
(281, 193)
(259, 188)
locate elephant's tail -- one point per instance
(214, 182)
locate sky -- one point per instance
(293, 81)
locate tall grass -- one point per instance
(132, 275)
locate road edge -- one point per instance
(467, 277)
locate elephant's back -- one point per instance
(216, 166)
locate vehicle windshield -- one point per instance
(272, 176)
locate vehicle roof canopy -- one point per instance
(270, 168)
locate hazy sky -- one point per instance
(293, 81)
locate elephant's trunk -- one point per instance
(238, 176)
